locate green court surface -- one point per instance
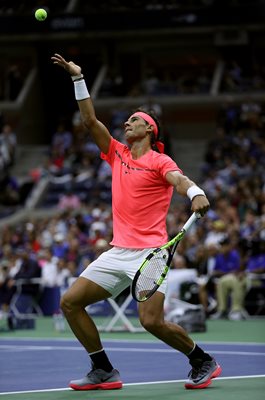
(228, 389)
(251, 330)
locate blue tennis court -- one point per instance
(37, 364)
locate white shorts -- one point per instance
(114, 269)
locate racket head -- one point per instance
(150, 275)
(154, 268)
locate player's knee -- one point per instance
(150, 323)
(66, 304)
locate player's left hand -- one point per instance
(70, 66)
(200, 204)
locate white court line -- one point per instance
(133, 384)
(17, 348)
(23, 339)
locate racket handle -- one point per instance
(190, 221)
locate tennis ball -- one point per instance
(41, 14)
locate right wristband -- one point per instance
(77, 77)
(81, 92)
(194, 191)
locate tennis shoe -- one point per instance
(201, 374)
(236, 316)
(98, 379)
(219, 315)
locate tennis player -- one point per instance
(143, 179)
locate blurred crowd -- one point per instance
(14, 70)
(18, 7)
(81, 6)
(157, 5)
(220, 254)
(242, 76)
(227, 249)
(9, 193)
(14, 190)
(194, 75)
(184, 74)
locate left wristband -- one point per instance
(81, 92)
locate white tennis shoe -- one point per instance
(98, 379)
(201, 374)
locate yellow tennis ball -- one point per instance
(40, 14)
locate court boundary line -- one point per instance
(16, 347)
(129, 341)
(130, 384)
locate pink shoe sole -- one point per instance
(99, 386)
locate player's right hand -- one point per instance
(70, 66)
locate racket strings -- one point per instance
(150, 275)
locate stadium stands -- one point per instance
(191, 78)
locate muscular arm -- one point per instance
(97, 129)
(182, 183)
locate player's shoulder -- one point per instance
(117, 143)
(161, 157)
(164, 163)
(118, 146)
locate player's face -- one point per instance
(135, 128)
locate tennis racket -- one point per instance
(154, 268)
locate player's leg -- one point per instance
(95, 283)
(204, 367)
(151, 315)
(82, 293)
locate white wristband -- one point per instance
(194, 191)
(81, 92)
(77, 77)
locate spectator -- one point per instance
(14, 82)
(216, 233)
(69, 201)
(4, 154)
(60, 246)
(249, 225)
(28, 269)
(9, 194)
(230, 280)
(204, 262)
(26, 291)
(151, 83)
(256, 261)
(9, 139)
(60, 273)
(6, 291)
(48, 268)
(177, 275)
(62, 140)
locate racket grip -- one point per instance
(191, 220)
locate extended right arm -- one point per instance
(97, 129)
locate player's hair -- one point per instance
(152, 114)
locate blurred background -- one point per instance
(200, 65)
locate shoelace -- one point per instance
(199, 372)
(93, 369)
